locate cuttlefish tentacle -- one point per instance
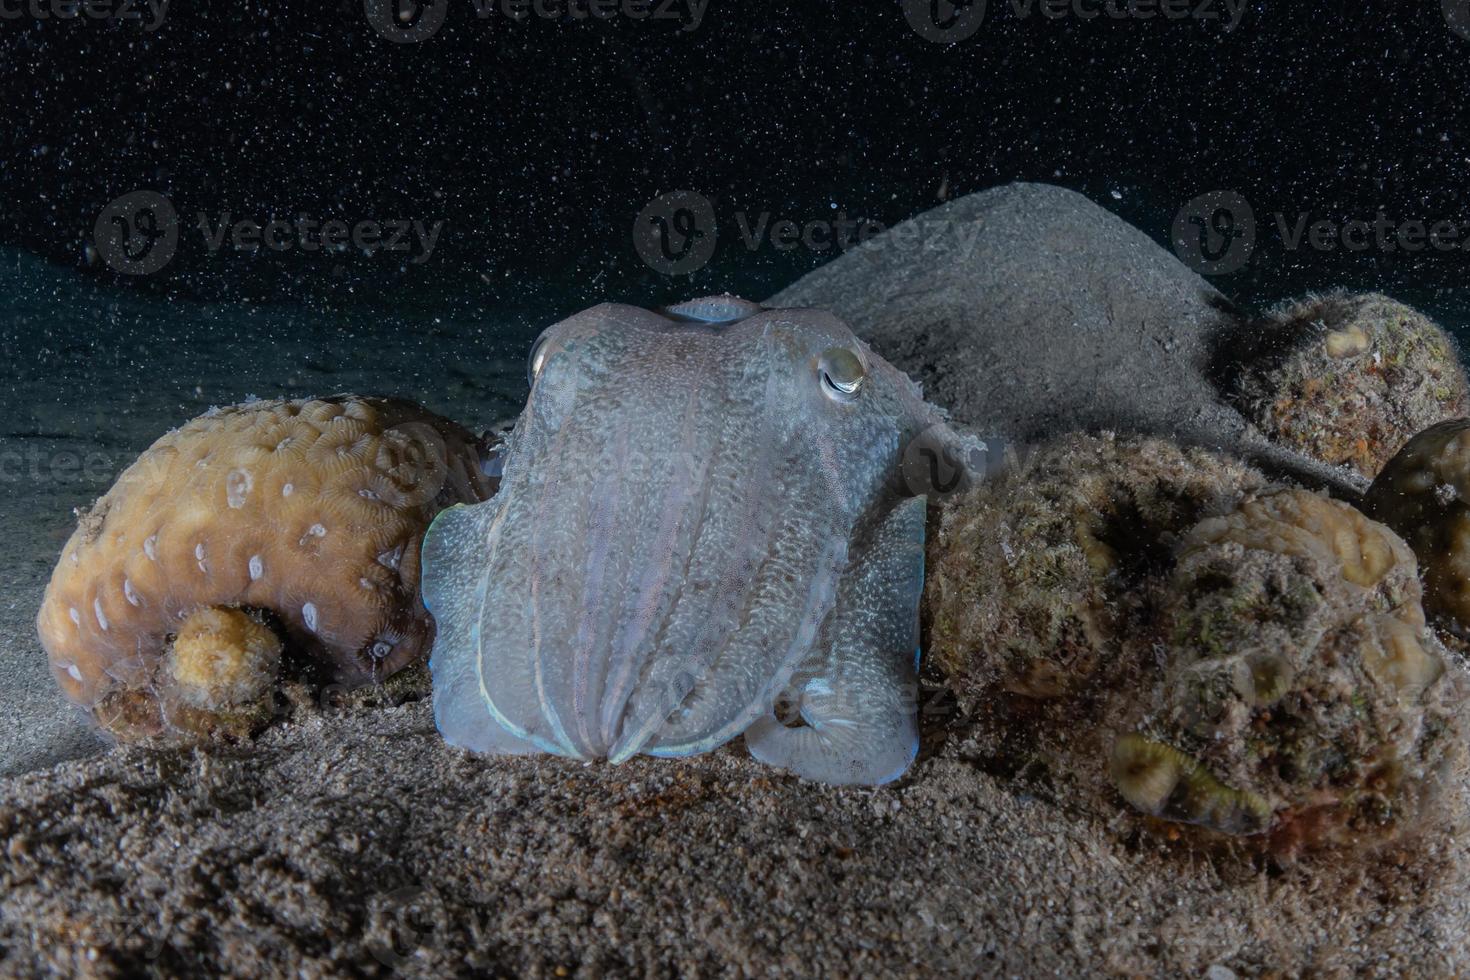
(858, 700)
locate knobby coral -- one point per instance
(260, 528)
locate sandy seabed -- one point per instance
(356, 842)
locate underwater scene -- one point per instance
(663, 488)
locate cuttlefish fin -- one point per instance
(858, 706)
(454, 583)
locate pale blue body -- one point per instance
(698, 525)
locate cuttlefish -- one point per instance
(705, 527)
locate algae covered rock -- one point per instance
(1348, 378)
(1029, 576)
(1422, 494)
(1300, 684)
(1161, 630)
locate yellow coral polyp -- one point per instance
(1161, 781)
(1399, 659)
(1349, 342)
(223, 658)
(1308, 525)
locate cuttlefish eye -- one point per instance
(538, 359)
(841, 372)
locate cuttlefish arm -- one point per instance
(858, 698)
(454, 592)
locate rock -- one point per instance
(1029, 312)
(1424, 494)
(1348, 379)
(1159, 626)
(1300, 675)
(1031, 576)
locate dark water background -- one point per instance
(538, 142)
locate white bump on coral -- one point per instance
(308, 613)
(237, 488)
(257, 568)
(101, 616)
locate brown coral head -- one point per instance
(1424, 494)
(310, 512)
(1301, 672)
